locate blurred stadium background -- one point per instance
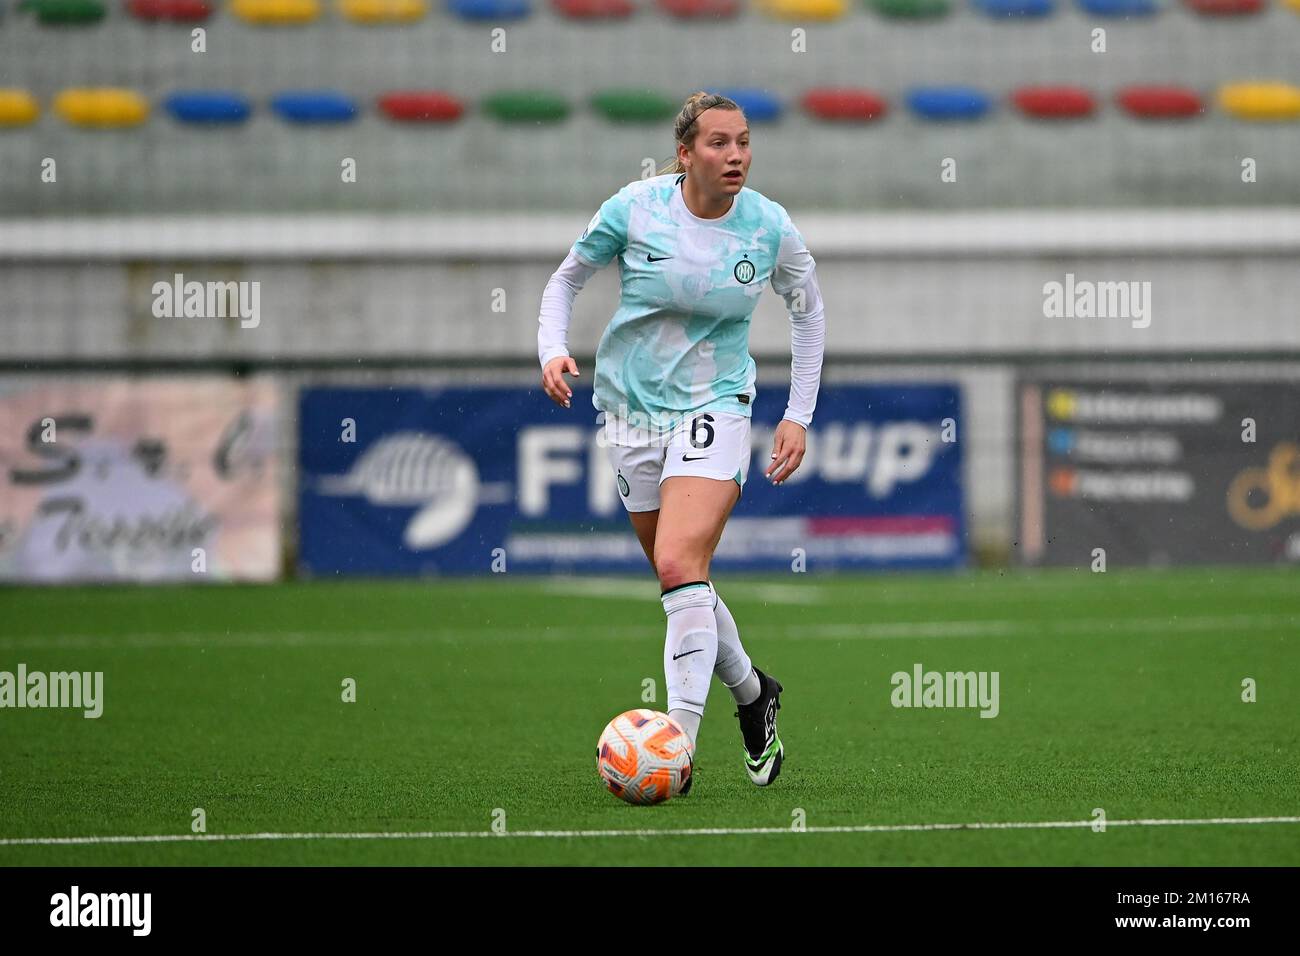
(400, 178)
(388, 185)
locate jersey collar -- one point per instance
(680, 202)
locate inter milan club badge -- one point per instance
(744, 271)
(623, 489)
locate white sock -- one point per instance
(733, 666)
(690, 651)
(689, 720)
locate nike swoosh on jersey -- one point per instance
(650, 258)
(694, 457)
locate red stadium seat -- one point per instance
(420, 106)
(594, 9)
(1160, 102)
(1054, 102)
(1226, 8)
(839, 103)
(175, 10)
(700, 9)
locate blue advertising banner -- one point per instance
(472, 480)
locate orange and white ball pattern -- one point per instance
(644, 756)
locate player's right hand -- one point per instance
(553, 379)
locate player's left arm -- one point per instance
(794, 278)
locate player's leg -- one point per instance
(638, 471)
(718, 447)
(733, 666)
(692, 514)
(644, 524)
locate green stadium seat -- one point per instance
(65, 11)
(911, 9)
(526, 106)
(634, 106)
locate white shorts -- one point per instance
(707, 445)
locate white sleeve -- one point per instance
(794, 278)
(557, 306)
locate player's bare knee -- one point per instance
(674, 567)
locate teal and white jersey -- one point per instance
(679, 341)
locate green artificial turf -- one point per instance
(1119, 691)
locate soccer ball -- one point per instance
(644, 756)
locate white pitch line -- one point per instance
(600, 834)
(634, 590)
(875, 630)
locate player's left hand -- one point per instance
(787, 450)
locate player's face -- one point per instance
(719, 159)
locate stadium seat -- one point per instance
(18, 108)
(1226, 8)
(1014, 9)
(1160, 102)
(944, 103)
(208, 107)
(181, 11)
(314, 106)
(382, 11)
(804, 9)
(634, 106)
(420, 106)
(911, 9)
(65, 11)
(843, 104)
(700, 9)
(1054, 102)
(760, 106)
(101, 107)
(526, 106)
(594, 9)
(490, 9)
(1261, 101)
(1120, 8)
(276, 11)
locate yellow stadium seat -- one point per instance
(1261, 101)
(101, 107)
(382, 11)
(276, 11)
(17, 108)
(804, 9)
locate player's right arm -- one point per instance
(604, 238)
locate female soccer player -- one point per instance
(675, 382)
